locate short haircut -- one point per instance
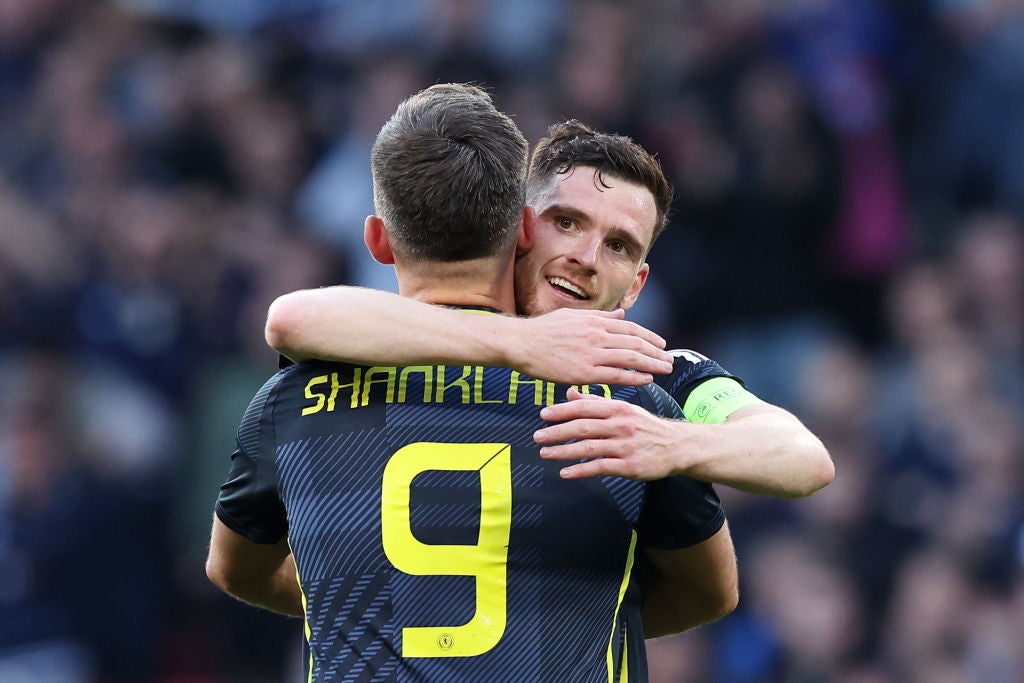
(571, 144)
(449, 174)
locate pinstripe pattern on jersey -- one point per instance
(249, 427)
(626, 494)
(567, 547)
(356, 610)
(312, 471)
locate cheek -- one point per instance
(526, 266)
(539, 256)
(619, 284)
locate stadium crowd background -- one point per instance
(847, 237)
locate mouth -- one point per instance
(568, 288)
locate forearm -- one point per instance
(379, 328)
(760, 449)
(360, 325)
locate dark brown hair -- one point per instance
(448, 175)
(571, 144)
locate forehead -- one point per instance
(612, 202)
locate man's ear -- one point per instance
(376, 238)
(527, 230)
(629, 298)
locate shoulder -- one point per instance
(683, 357)
(283, 383)
(686, 362)
(690, 368)
(650, 397)
(249, 429)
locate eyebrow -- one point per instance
(617, 233)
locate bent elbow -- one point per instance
(724, 599)
(820, 471)
(824, 471)
(233, 583)
(275, 331)
(728, 599)
(217, 575)
(828, 470)
(729, 603)
(282, 318)
(723, 604)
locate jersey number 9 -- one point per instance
(487, 560)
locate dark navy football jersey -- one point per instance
(433, 543)
(689, 369)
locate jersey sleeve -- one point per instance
(678, 511)
(249, 503)
(707, 392)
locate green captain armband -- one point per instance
(716, 399)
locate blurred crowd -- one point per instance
(848, 237)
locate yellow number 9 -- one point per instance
(487, 560)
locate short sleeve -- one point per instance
(679, 512)
(249, 502)
(689, 369)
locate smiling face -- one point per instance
(591, 240)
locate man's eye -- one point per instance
(564, 223)
(617, 247)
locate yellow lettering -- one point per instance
(460, 383)
(588, 389)
(310, 394)
(428, 381)
(470, 385)
(515, 379)
(478, 387)
(336, 385)
(388, 380)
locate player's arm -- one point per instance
(261, 574)
(758, 448)
(690, 587)
(763, 449)
(360, 325)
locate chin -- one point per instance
(577, 304)
(543, 304)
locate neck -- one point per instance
(478, 282)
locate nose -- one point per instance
(585, 251)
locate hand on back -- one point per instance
(615, 437)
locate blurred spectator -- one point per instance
(971, 151)
(988, 265)
(759, 199)
(84, 511)
(846, 52)
(338, 195)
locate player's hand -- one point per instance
(590, 347)
(618, 438)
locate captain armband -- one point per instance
(716, 399)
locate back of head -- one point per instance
(573, 144)
(448, 175)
